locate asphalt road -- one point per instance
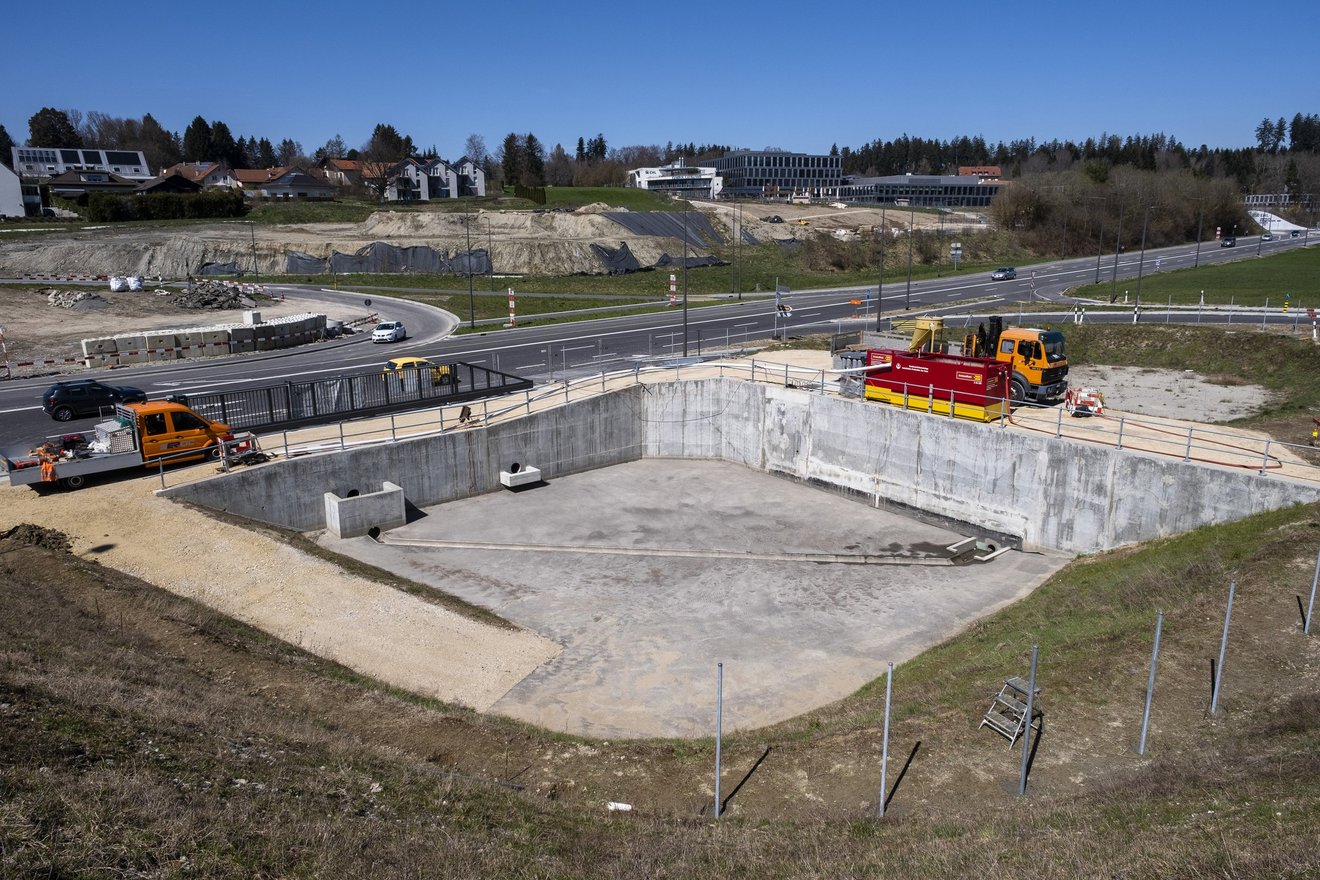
(584, 347)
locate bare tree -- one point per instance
(474, 148)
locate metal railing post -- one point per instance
(1058, 426)
(1187, 453)
(1026, 733)
(341, 435)
(1120, 432)
(1265, 458)
(884, 748)
(394, 437)
(1150, 683)
(1223, 647)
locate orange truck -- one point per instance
(139, 435)
(1037, 358)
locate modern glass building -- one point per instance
(921, 190)
(777, 173)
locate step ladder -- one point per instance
(1007, 713)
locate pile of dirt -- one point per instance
(76, 299)
(212, 295)
(31, 535)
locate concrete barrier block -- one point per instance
(132, 357)
(131, 343)
(161, 340)
(102, 346)
(242, 346)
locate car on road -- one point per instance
(86, 397)
(1003, 273)
(389, 331)
(774, 218)
(405, 367)
(1228, 241)
(1267, 237)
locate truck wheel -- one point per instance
(77, 481)
(1018, 391)
(63, 414)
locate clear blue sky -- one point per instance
(795, 75)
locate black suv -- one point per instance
(86, 397)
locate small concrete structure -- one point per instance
(520, 475)
(357, 515)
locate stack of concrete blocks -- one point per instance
(100, 352)
(213, 341)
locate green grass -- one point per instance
(615, 196)
(1245, 283)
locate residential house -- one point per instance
(173, 182)
(415, 180)
(42, 163)
(11, 194)
(342, 172)
(76, 185)
(210, 175)
(295, 183)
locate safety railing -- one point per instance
(1124, 432)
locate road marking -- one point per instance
(19, 409)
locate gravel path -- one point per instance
(368, 627)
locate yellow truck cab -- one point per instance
(168, 429)
(1038, 359)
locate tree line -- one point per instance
(1285, 158)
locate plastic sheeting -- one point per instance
(669, 224)
(220, 269)
(617, 261)
(378, 258)
(668, 262)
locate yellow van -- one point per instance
(170, 429)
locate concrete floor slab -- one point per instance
(650, 573)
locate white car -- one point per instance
(389, 331)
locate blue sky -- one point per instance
(795, 75)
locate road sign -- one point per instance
(1310, 313)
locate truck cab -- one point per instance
(1038, 359)
(169, 429)
(1039, 362)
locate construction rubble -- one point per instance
(215, 295)
(75, 299)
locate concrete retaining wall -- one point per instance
(431, 470)
(1056, 494)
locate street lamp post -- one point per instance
(1118, 243)
(685, 286)
(1200, 225)
(912, 225)
(880, 281)
(490, 255)
(472, 303)
(1141, 261)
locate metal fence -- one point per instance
(294, 404)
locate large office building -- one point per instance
(679, 180)
(920, 190)
(779, 174)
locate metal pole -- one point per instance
(719, 729)
(884, 749)
(912, 225)
(1306, 624)
(685, 286)
(1200, 225)
(1141, 261)
(1265, 457)
(1118, 243)
(880, 281)
(1150, 683)
(1223, 647)
(1026, 734)
(472, 303)
(1100, 249)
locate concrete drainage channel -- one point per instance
(962, 553)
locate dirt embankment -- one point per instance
(520, 242)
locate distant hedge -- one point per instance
(111, 208)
